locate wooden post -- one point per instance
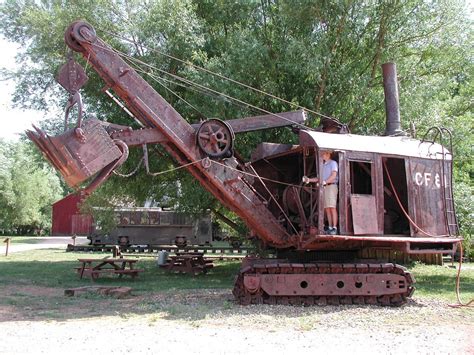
(7, 240)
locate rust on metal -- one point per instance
(399, 146)
(349, 284)
(215, 138)
(322, 283)
(256, 123)
(264, 150)
(154, 112)
(75, 158)
(364, 214)
(395, 192)
(139, 137)
(72, 76)
(393, 125)
(241, 125)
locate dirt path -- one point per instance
(41, 243)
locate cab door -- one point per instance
(362, 192)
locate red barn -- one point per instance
(67, 218)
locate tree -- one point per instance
(27, 190)
(323, 55)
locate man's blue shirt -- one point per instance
(328, 167)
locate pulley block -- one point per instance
(216, 138)
(78, 32)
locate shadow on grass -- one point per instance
(62, 273)
(34, 290)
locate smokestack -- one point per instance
(392, 109)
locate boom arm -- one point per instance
(223, 180)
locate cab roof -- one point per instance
(401, 146)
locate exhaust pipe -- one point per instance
(392, 106)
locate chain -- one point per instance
(133, 172)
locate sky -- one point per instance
(13, 120)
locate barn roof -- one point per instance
(401, 146)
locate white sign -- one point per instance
(428, 179)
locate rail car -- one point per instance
(154, 226)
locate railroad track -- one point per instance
(226, 252)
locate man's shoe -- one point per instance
(332, 231)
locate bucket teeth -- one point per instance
(46, 147)
(77, 158)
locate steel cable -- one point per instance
(228, 79)
(458, 282)
(403, 209)
(190, 82)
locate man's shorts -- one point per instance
(330, 196)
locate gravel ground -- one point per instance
(207, 322)
(116, 336)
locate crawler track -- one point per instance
(247, 292)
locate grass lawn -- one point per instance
(55, 268)
(433, 281)
(33, 282)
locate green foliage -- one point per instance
(464, 198)
(322, 55)
(27, 190)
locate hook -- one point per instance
(73, 100)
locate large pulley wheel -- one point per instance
(216, 138)
(307, 195)
(78, 32)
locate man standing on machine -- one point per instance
(330, 179)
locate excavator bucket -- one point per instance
(78, 155)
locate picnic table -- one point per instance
(115, 266)
(191, 263)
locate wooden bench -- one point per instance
(94, 274)
(116, 266)
(190, 263)
(113, 291)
